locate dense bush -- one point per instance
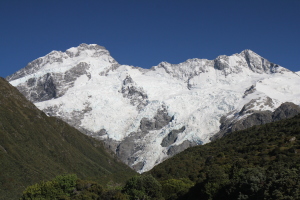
(61, 187)
(142, 187)
(175, 188)
(67, 187)
(258, 163)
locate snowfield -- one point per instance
(88, 89)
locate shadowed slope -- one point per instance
(34, 147)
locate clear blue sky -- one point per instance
(145, 32)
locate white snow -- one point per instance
(211, 94)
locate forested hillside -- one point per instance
(262, 162)
(34, 147)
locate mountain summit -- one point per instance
(148, 115)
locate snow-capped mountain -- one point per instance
(147, 115)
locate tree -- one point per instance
(175, 188)
(59, 188)
(142, 187)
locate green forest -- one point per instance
(35, 147)
(262, 162)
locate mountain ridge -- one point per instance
(57, 56)
(112, 102)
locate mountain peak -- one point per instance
(247, 59)
(96, 50)
(91, 46)
(248, 51)
(235, 64)
(122, 104)
(55, 59)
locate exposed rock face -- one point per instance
(46, 88)
(257, 118)
(136, 94)
(128, 148)
(171, 137)
(175, 149)
(249, 91)
(249, 107)
(52, 85)
(222, 63)
(188, 69)
(160, 120)
(259, 64)
(284, 111)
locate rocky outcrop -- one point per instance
(136, 94)
(259, 64)
(52, 85)
(186, 70)
(249, 91)
(58, 57)
(126, 149)
(257, 118)
(46, 88)
(171, 137)
(130, 145)
(175, 149)
(284, 111)
(160, 120)
(222, 63)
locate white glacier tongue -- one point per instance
(148, 115)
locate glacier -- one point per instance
(148, 115)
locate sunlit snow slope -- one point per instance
(147, 115)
